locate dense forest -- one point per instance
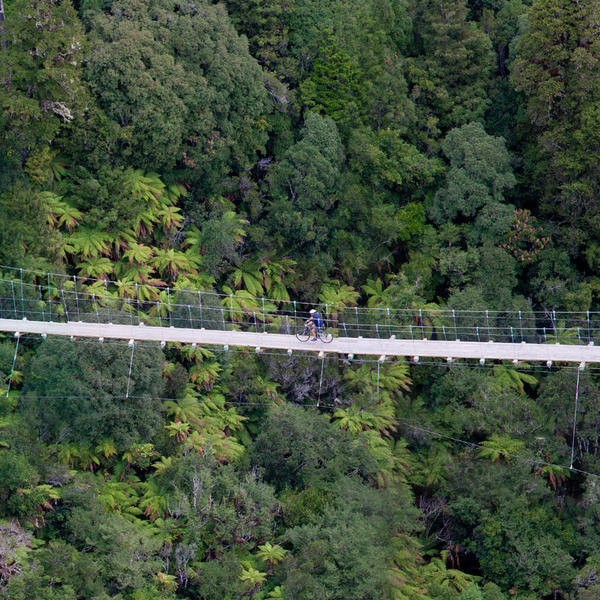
(396, 153)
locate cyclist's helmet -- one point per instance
(312, 311)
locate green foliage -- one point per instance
(345, 552)
(334, 87)
(479, 173)
(218, 237)
(303, 186)
(523, 557)
(555, 68)
(386, 160)
(498, 447)
(162, 73)
(125, 553)
(84, 404)
(301, 449)
(25, 238)
(43, 50)
(449, 73)
(16, 473)
(351, 153)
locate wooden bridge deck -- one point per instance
(347, 346)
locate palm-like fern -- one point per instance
(138, 253)
(250, 275)
(178, 430)
(96, 268)
(170, 261)
(170, 217)
(186, 410)
(500, 446)
(89, 243)
(509, 377)
(60, 213)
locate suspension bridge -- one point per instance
(76, 307)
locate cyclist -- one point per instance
(316, 323)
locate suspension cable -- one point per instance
(12, 369)
(132, 343)
(575, 419)
(321, 380)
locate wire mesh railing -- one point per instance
(63, 298)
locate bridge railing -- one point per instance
(73, 299)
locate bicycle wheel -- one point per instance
(303, 335)
(326, 336)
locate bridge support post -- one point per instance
(200, 307)
(49, 299)
(588, 326)
(521, 325)
(12, 286)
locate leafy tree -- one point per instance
(528, 557)
(451, 66)
(498, 447)
(555, 68)
(253, 579)
(217, 234)
(125, 553)
(106, 197)
(267, 30)
(14, 544)
(271, 555)
(346, 552)
(303, 187)
(479, 173)
(82, 403)
(162, 72)
(299, 448)
(490, 514)
(17, 474)
(334, 87)
(25, 238)
(59, 571)
(388, 162)
(42, 54)
(219, 578)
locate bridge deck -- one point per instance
(357, 346)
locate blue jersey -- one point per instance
(318, 320)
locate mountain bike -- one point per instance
(322, 334)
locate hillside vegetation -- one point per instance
(374, 153)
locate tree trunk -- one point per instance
(3, 42)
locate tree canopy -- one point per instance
(430, 158)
